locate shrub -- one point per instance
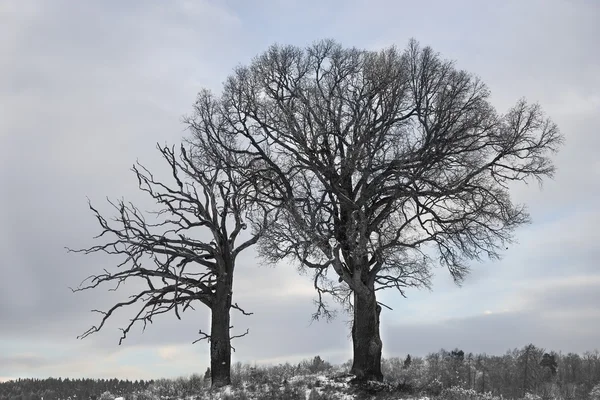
(107, 396)
(459, 393)
(434, 388)
(144, 395)
(595, 393)
(293, 393)
(313, 395)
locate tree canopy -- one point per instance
(378, 160)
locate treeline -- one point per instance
(182, 387)
(60, 389)
(520, 372)
(530, 373)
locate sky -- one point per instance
(89, 87)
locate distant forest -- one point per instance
(519, 373)
(60, 389)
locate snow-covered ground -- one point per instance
(317, 387)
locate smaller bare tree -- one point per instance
(178, 268)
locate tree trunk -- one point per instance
(220, 341)
(365, 337)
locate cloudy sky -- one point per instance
(87, 87)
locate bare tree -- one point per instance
(178, 268)
(377, 161)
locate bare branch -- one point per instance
(238, 336)
(159, 247)
(373, 158)
(236, 307)
(203, 336)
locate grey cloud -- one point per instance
(283, 326)
(24, 361)
(492, 334)
(81, 106)
(555, 316)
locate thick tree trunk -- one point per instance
(365, 336)
(220, 341)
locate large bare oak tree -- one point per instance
(186, 252)
(382, 164)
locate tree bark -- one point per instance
(220, 340)
(365, 337)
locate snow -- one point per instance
(333, 386)
(226, 391)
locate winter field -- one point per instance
(529, 373)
